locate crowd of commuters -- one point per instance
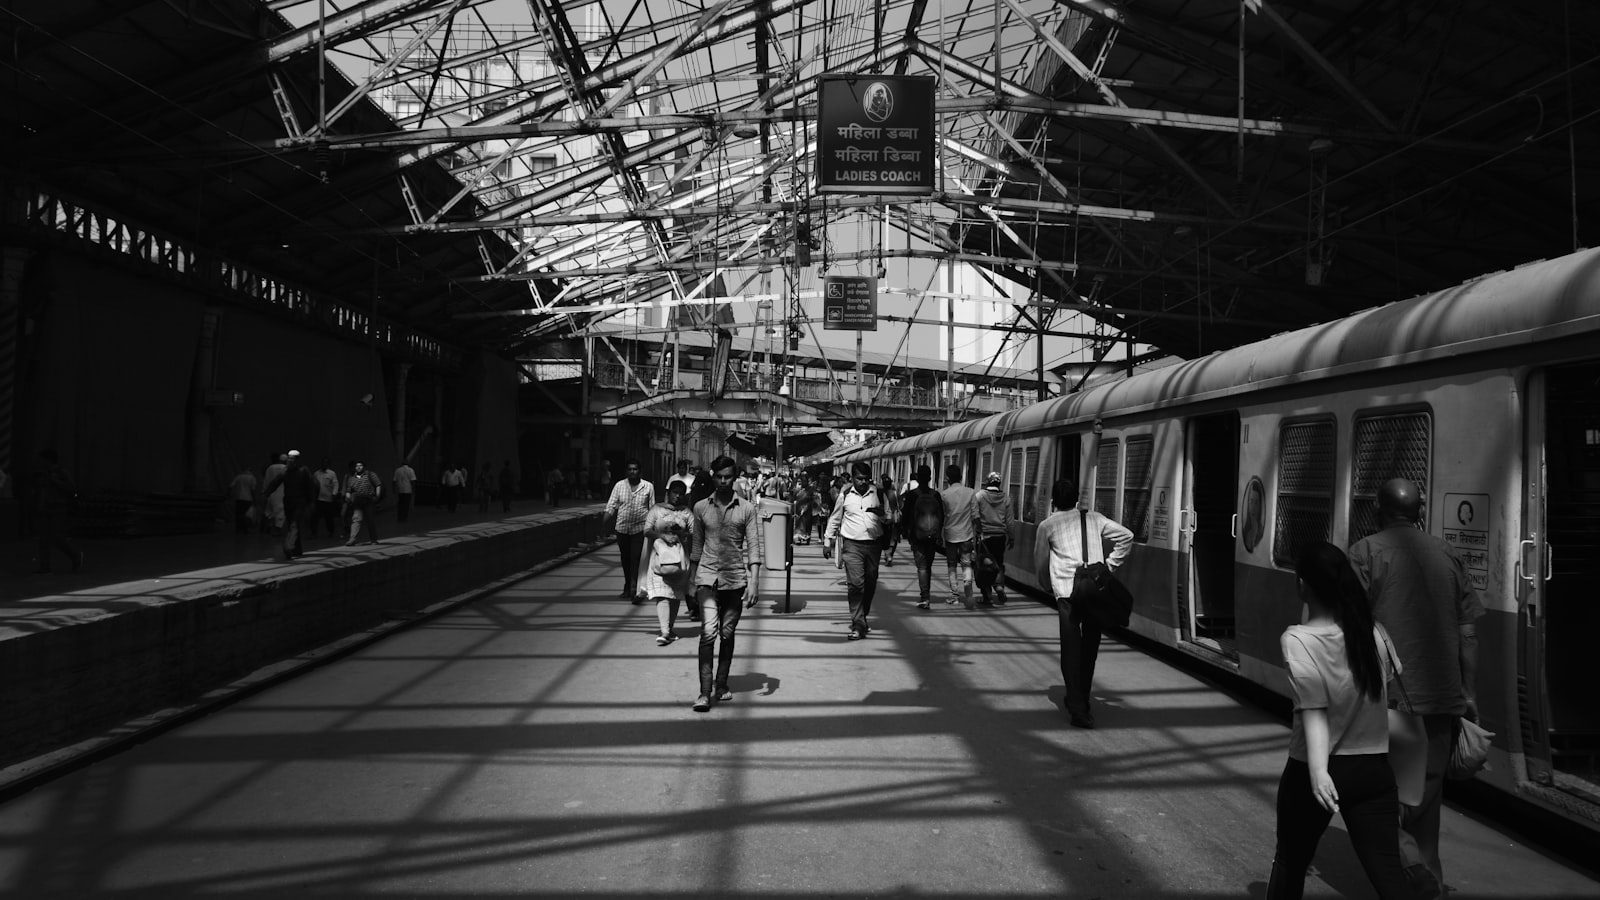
(1400, 602)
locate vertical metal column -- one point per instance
(12, 262)
(402, 371)
(950, 339)
(205, 371)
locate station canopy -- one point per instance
(1195, 174)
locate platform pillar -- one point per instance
(13, 261)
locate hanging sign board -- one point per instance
(849, 303)
(875, 134)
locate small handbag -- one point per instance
(667, 560)
(1096, 589)
(1470, 753)
(1408, 743)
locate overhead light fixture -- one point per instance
(747, 130)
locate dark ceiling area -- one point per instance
(1384, 150)
(1106, 154)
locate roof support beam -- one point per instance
(1328, 69)
(1088, 75)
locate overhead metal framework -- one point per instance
(1194, 174)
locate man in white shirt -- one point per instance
(960, 535)
(404, 478)
(860, 517)
(685, 475)
(1058, 552)
(629, 506)
(455, 480)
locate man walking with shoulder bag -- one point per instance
(1058, 553)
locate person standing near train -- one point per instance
(994, 537)
(1420, 592)
(726, 554)
(1338, 662)
(922, 524)
(1058, 552)
(960, 534)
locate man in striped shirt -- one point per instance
(629, 505)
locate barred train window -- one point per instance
(1305, 489)
(987, 465)
(1136, 487)
(1394, 446)
(1105, 478)
(1014, 481)
(1030, 492)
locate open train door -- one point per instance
(1210, 524)
(1558, 566)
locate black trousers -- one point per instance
(630, 545)
(1080, 649)
(1371, 812)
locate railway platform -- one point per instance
(534, 741)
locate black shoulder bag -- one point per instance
(1096, 589)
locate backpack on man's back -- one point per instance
(926, 521)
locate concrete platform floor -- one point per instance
(537, 743)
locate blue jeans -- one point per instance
(719, 617)
(861, 573)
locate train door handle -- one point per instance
(1522, 561)
(1549, 559)
(1183, 521)
(1233, 526)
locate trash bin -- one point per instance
(777, 532)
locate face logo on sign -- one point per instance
(834, 314)
(878, 101)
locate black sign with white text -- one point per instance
(875, 134)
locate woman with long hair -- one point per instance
(1339, 664)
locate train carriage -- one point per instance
(1487, 395)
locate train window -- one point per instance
(1015, 481)
(1030, 490)
(1136, 487)
(1305, 489)
(1105, 478)
(987, 465)
(1387, 446)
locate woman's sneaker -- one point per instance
(663, 639)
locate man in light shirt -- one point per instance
(629, 506)
(860, 517)
(726, 557)
(405, 479)
(1058, 552)
(960, 535)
